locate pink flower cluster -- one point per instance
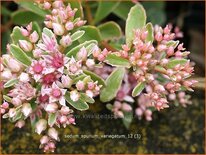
(161, 58)
(38, 91)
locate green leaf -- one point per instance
(16, 35)
(95, 77)
(79, 105)
(20, 55)
(104, 9)
(10, 83)
(76, 49)
(113, 84)
(172, 43)
(109, 106)
(138, 89)
(6, 98)
(22, 17)
(36, 27)
(127, 119)
(77, 35)
(174, 62)
(52, 119)
(117, 61)
(30, 5)
(77, 4)
(79, 78)
(122, 9)
(91, 33)
(86, 98)
(48, 32)
(150, 36)
(89, 48)
(110, 30)
(136, 19)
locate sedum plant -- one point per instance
(49, 72)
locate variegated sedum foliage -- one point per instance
(47, 73)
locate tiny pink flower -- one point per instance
(52, 132)
(41, 125)
(26, 109)
(5, 105)
(90, 63)
(126, 107)
(37, 69)
(16, 101)
(82, 54)
(12, 112)
(24, 77)
(66, 41)
(51, 107)
(20, 124)
(6, 75)
(80, 85)
(25, 45)
(71, 120)
(58, 29)
(66, 81)
(69, 26)
(89, 93)
(34, 37)
(65, 110)
(74, 95)
(44, 140)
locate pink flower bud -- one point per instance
(14, 65)
(181, 94)
(1, 67)
(144, 35)
(80, 85)
(26, 109)
(20, 124)
(105, 52)
(126, 107)
(51, 107)
(69, 26)
(24, 32)
(90, 63)
(161, 47)
(74, 95)
(80, 23)
(149, 77)
(63, 119)
(37, 53)
(44, 140)
(34, 37)
(95, 51)
(58, 29)
(159, 88)
(139, 112)
(101, 57)
(41, 125)
(5, 105)
(178, 54)
(16, 101)
(65, 110)
(48, 24)
(57, 4)
(158, 36)
(82, 54)
(148, 112)
(66, 41)
(120, 114)
(25, 45)
(51, 145)
(125, 47)
(24, 77)
(90, 85)
(47, 5)
(170, 51)
(66, 81)
(164, 62)
(72, 120)
(2, 111)
(52, 132)
(6, 75)
(148, 118)
(172, 97)
(117, 105)
(12, 112)
(167, 30)
(90, 93)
